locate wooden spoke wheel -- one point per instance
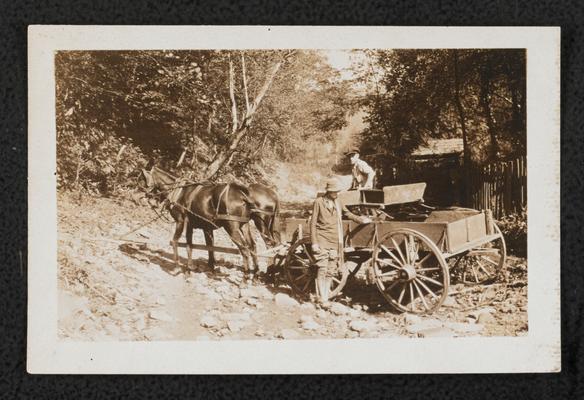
(484, 264)
(410, 271)
(301, 270)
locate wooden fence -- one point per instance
(501, 187)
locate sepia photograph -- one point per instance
(305, 194)
(292, 194)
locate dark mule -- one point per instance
(207, 207)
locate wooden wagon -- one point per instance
(410, 249)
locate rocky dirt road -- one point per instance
(111, 290)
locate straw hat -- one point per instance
(333, 185)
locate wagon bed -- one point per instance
(411, 258)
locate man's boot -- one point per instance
(323, 286)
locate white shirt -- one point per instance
(361, 173)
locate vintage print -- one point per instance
(292, 194)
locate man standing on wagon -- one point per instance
(363, 174)
(326, 234)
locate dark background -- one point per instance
(14, 18)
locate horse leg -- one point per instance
(180, 224)
(209, 242)
(238, 238)
(189, 235)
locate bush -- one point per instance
(514, 229)
(97, 162)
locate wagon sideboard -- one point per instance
(451, 236)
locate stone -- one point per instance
(288, 334)
(248, 293)
(140, 324)
(508, 308)
(161, 301)
(412, 319)
(423, 325)
(436, 332)
(283, 300)
(223, 289)
(307, 307)
(464, 327)
(352, 334)
(264, 293)
(208, 321)
(476, 313)
(308, 323)
(212, 296)
(251, 301)
(321, 314)
(339, 309)
(486, 318)
(310, 326)
(363, 326)
(236, 317)
(236, 325)
(450, 302)
(229, 297)
(234, 279)
(260, 333)
(355, 313)
(202, 289)
(160, 316)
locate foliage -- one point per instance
(161, 104)
(476, 94)
(514, 229)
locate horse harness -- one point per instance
(226, 216)
(175, 193)
(174, 196)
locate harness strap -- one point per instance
(227, 217)
(226, 189)
(195, 214)
(260, 211)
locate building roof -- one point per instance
(439, 147)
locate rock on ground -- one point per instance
(339, 309)
(288, 334)
(208, 321)
(160, 316)
(436, 332)
(308, 323)
(283, 300)
(424, 324)
(363, 326)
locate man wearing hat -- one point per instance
(326, 234)
(363, 174)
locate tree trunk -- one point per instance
(485, 100)
(462, 119)
(223, 158)
(234, 123)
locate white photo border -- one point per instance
(539, 351)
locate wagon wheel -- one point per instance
(410, 271)
(485, 263)
(301, 269)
